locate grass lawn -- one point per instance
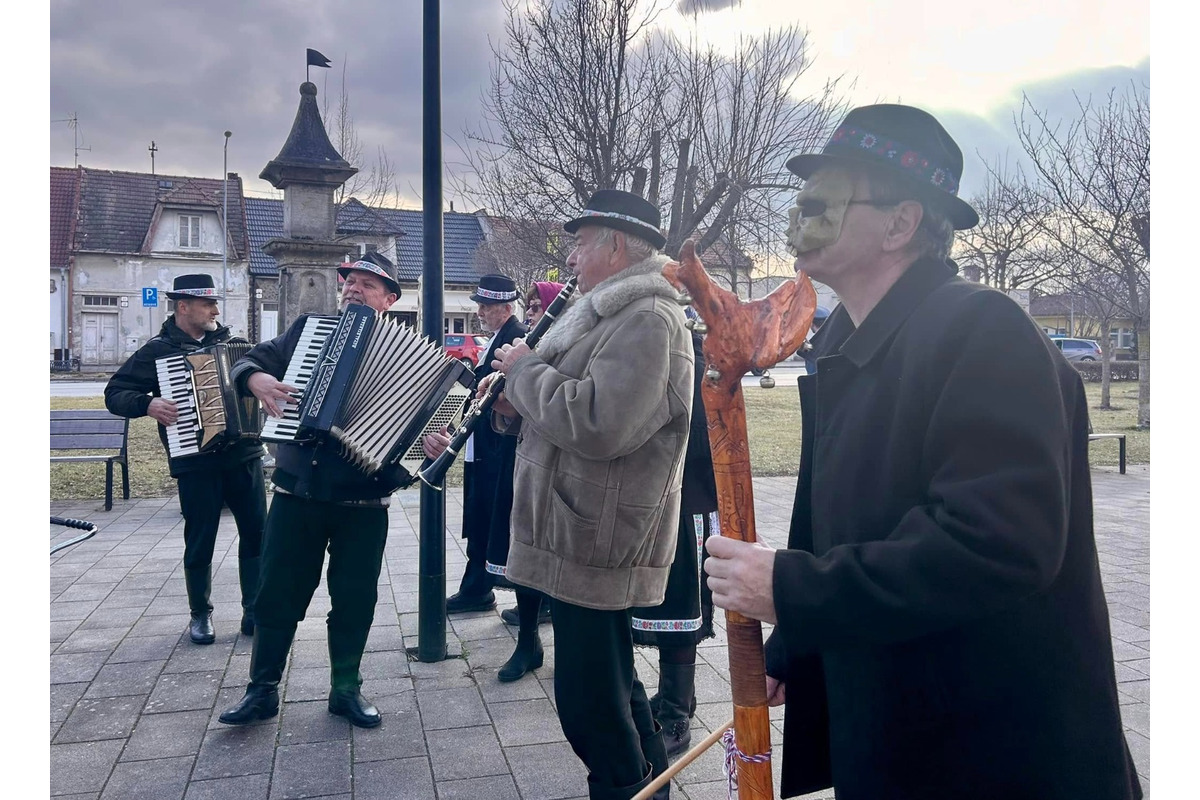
(772, 418)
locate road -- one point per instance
(784, 374)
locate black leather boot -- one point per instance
(351, 704)
(676, 703)
(267, 661)
(248, 574)
(529, 654)
(345, 656)
(199, 584)
(654, 748)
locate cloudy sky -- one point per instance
(180, 73)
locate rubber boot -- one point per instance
(248, 575)
(267, 661)
(199, 586)
(676, 704)
(529, 654)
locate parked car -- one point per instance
(1078, 349)
(467, 348)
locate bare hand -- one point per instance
(740, 575)
(163, 411)
(434, 444)
(485, 383)
(272, 393)
(776, 692)
(509, 354)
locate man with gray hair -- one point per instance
(940, 624)
(604, 409)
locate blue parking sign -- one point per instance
(149, 296)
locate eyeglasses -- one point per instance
(815, 208)
(534, 307)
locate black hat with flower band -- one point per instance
(907, 142)
(378, 265)
(623, 211)
(495, 288)
(197, 286)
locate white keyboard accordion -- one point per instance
(373, 384)
(211, 415)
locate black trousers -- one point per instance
(602, 705)
(201, 495)
(479, 487)
(298, 533)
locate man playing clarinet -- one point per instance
(940, 624)
(604, 406)
(322, 502)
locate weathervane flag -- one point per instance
(315, 59)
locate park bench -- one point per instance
(92, 430)
(1120, 437)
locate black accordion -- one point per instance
(373, 384)
(211, 414)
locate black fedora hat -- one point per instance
(624, 211)
(907, 142)
(196, 285)
(495, 288)
(377, 265)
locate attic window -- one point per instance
(189, 231)
(165, 184)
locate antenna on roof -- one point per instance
(73, 121)
(152, 150)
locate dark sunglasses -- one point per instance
(815, 208)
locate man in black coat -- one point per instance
(483, 461)
(231, 475)
(941, 629)
(322, 502)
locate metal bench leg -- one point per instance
(1121, 442)
(108, 480)
(125, 479)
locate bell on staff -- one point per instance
(690, 324)
(766, 381)
(712, 373)
(684, 299)
(700, 328)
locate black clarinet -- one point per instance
(434, 473)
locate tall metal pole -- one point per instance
(431, 599)
(225, 223)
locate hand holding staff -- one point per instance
(740, 336)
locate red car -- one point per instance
(467, 348)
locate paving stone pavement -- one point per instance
(134, 704)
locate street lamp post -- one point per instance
(225, 221)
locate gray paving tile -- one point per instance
(399, 734)
(451, 708)
(229, 751)
(88, 641)
(465, 753)
(166, 735)
(191, 657)
(123, 618)
(547, 771)
(245, 787)
(82, 767)
(498, 787)
(311, 721)
(305, 684)
(134, 677)
(99, 718)
(160, 779)
(75, 667)
(144, 648)
(84, 591)
(311, 770)
(395, 779)
(526, 722)
(385, 664)
(63, 697)
(161, 626)
(184, 691)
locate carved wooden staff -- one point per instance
(741, 335)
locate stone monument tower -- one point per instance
(309, 170)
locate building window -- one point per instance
(189, 231)
(100, 300)
(1121, 337)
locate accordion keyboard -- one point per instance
(299, 372)
(175, 384)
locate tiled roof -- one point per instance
(63, 183)
(462, 236)
(116, 208)
(1054, 305)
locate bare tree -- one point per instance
(585, 95)
(1094, 175)
(1007, 248)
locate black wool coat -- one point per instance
(942, 628)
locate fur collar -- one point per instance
(643, 279)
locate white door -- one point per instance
(99, 339)
(269, 326)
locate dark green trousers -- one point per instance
(297, 536)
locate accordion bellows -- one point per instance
(377, 386)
